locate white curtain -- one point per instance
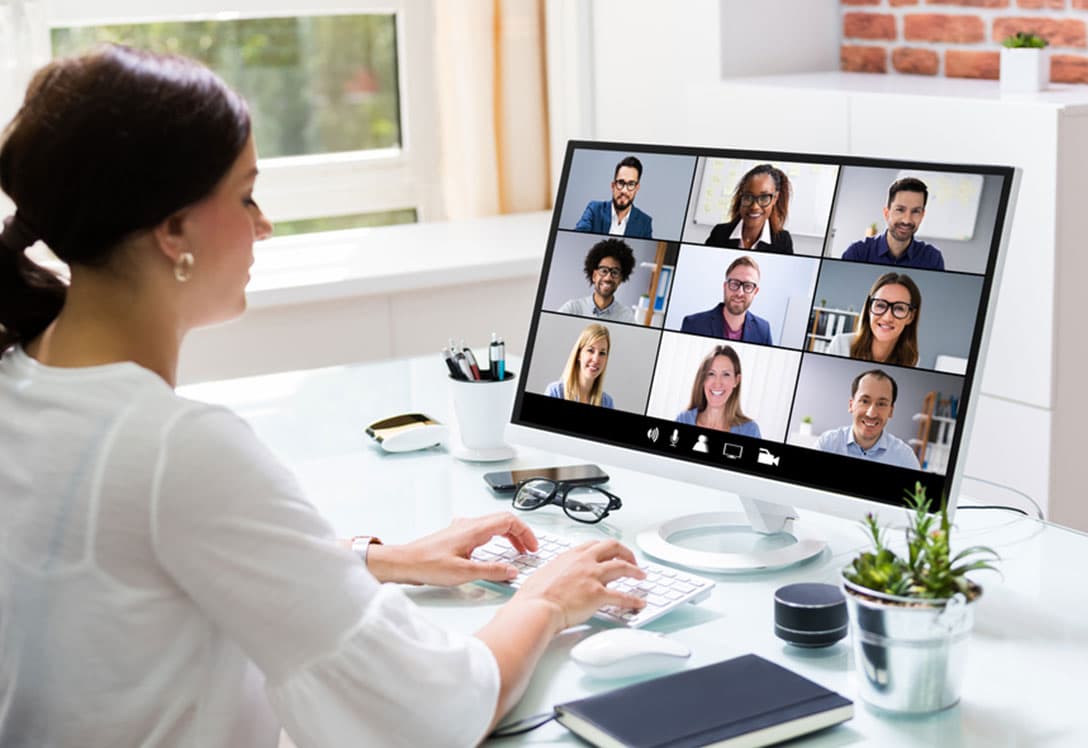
(492, 102)
(24, 47)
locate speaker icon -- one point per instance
(653, 434)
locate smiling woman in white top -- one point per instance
(888, 330)
(163, 581)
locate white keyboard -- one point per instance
(663, 588)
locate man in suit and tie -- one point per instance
(731, 319)
(619, 216)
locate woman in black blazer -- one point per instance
(761, 202)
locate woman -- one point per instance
(583, 376)
(715, 395)
(888, 330)
(761, 203)
(162, 578)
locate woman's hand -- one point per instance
(443, 558)
(575, 582)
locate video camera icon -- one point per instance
(766, 458)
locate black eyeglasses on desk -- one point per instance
(582, 503)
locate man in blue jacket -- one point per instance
(731, 319)
(619, 217)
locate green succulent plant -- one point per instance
(1024, 39)
(929, 571)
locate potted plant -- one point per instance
(806, 426)
(911, 615)
(1025, 66)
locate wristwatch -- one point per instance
(361, 545)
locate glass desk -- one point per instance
(1025, 681)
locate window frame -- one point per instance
(316, 185)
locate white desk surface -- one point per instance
(1026, 675)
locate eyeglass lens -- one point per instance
(581, 503)
(747, 198)
(605, 270)
(625, 185)
(736, 285)
(900, 309)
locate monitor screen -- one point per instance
(793, 327)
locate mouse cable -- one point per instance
(523, 725)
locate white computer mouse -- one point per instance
(623, 653)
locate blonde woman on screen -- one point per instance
(164, 579)
(583, 376)
(888, 330)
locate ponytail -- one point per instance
(30, 295)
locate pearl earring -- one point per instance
(183, 268)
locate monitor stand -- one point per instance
(767, 529)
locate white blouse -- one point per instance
(163, 582)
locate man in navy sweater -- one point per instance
(904, 212)
(731, 319)
(619, 216)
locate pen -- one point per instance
(462, 364)
(455, 370)
(497, 355)
(471, 361)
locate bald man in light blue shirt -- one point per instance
(872, 404)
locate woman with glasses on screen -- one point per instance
(583, 376)
(715, 395)
(163, 578)
(888, 330)
(757, 215)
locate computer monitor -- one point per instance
(801, 330)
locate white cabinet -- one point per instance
(1024, 425)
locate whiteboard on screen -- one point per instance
(813, 187)
(952, 206)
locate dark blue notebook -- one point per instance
(746, 701)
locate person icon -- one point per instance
(907, 198)
(871, 407)
(583, 376)
(888, 330)
(619, 216)
(700, 444)
(715, 395)
(607, 266)
(730, 319)
(757, 213)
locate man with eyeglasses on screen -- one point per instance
(872, 404)
(619, 217)
(731, 319)
(904, 212)
(608, 264)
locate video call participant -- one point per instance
(888, 330)
(904, 212)
(872, 404)
(583, 376)
(608, 265)
(731, 319)
(761, 204)
(619, 217)
(715, 395)
(164, 577)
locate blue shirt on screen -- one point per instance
(555, 389)
(711, 322)
(889, 449)
(748, 428)
(875, 249)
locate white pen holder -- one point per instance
(481, 409)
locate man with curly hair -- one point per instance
(608, 264)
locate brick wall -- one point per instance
(960, 38)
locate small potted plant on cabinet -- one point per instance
(1025, 66)
(911, 615)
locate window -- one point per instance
(338, 95)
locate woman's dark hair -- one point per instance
(781, 208)
(105, 145)
(905, 351)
